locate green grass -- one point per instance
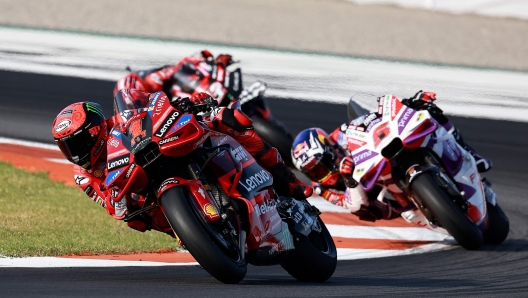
(39, 217)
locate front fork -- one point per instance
(300, 216)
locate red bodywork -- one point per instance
(159, 131)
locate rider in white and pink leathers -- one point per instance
(330, 167)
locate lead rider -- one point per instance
(81, 133)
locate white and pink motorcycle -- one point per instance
(416, 161)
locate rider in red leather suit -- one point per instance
(81, 132)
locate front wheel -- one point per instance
(314, 258)
(183, 217)
(448, 214)
(499, 225)
(275, 133)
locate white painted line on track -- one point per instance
(484, 93)
(28, 144)
(356, 254)
(54, 262)
(386, 233)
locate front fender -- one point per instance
(197, 192)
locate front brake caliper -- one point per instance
(300, 216)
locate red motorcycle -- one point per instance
(226, 86)
(207, 189)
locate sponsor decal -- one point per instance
(126, 114)
(66, 113)
(113, 142)
(255, 180)
(137, 132)
(80, 180)
(153, 102)
(112, 176)
(141, 145)
(412, 172)
(297, 217)
(129, 172)
(264, 208)
(95, 109)
(88, 190)
(171, 139)
(167, 182)
(159, 106)
(363, 156)
(62, 125)
(210, 210)
(181, 122)
(116, 133)
(300, 149)
(201, 141)
(202, 193)
(236, 80)
(168, 123)
(369, 119)
(97, 199)
(373, 123)
(420, 116)
(222, 141)
(101, 145)
(118, 162)
(386, 104)
(355, 143)
(404, 119)
(240, 153)
(115, 192)
(351, 132)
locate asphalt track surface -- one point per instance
(29, 102)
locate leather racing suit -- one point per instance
(229, 121)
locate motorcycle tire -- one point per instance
(499, 225)
(274, 132)
(314, 258)
(183, 220)
(448, 214)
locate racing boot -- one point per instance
(483, 164)
(284, 181)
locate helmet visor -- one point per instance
(77, 148)
(322, 169)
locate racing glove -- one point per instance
(346, 168)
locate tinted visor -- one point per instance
(323, 168)
(77, 148)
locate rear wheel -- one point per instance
(448, 214)
(274, 132)
(217, 254)
(499, 225)
(314, 258)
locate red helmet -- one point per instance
(80, 131)
(130, 81)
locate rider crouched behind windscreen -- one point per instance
(326, 160)
(81, 132)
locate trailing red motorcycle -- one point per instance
(191, 76)
(206, 188)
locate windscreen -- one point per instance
(130, 99)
